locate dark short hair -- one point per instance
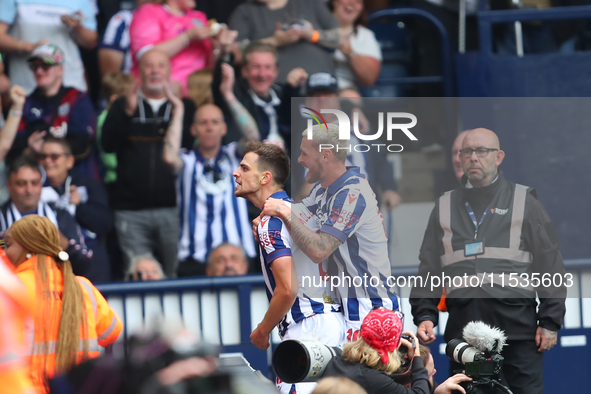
(60, 141)
(271, 158)
(23, 161)
(260, 47)
(361, 20)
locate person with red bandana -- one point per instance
(371, 359)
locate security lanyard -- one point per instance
(473, 217)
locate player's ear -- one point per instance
(266, 177)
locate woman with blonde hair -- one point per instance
(71, 317)
(374, 357)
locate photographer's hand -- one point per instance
(412, 348)
(425, 332)
(452, 383)
(545, 339)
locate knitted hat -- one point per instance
(381, 329)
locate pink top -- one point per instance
(153, 24)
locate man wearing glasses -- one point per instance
(25, 182)
(83, 197)
(484, 235)
(56, 110)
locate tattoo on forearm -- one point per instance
(309, 241)
(172, 143)
(330, 38)
(245, 121)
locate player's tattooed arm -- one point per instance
(317, 246)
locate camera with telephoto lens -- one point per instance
(482, 366)
(302, 361)
(297, 361)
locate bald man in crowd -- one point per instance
(210, 213)
(490, 225)
(144, 197)
(227, 260)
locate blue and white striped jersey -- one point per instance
(275, 242)
(116, 37)
(210, 213)
(10, 214)
(348, 210)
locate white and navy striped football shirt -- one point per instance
(210, 213)
(116, 37)
(275, 242)
(10, 214)
(348, 210)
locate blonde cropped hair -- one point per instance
(360, 352)
(323, 136)
(116, 83)
(199, 87)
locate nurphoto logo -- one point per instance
(345, 129)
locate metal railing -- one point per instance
(225, 310)
(487, 18)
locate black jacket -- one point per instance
(144, 181)
(377, 382)
(241, 88)
(518, 317)
(93, 215)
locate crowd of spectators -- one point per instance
(139, 181)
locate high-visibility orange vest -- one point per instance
(16, 326)
(103, 324)
(442, 306)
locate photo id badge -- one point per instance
(474, 248)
